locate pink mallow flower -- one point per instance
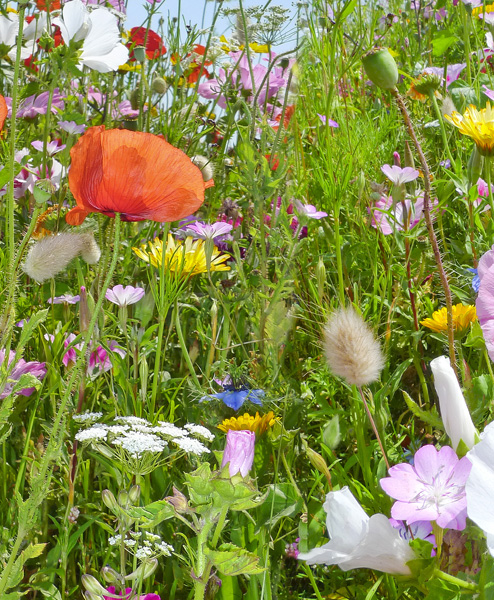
(485, 299)
(389, 219)
(308, 210)
(64, 299)
(123, 296)
(397, 175)
(453, 72)
(239, 452)
(433, 489)
(21, 368)
(51, 147)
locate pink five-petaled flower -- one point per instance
(485, 299)
(239, 451)
(21, 368)
(123, 296)
(64, 299)
(128, 592)
(433, 489)
(397, 175)
(309, 210)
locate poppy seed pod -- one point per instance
(159, 85)
(380, 67)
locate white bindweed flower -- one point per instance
(454, 411)
(479, 487)
(358, 541)
(102, 49)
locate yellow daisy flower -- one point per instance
(463, 315)
(480, 10)
(186, 257)
(477, 124)
(258, 424)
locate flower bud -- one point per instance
(144, 570)
(123, 498)
(110, 575)
(409, 162)
(318, 462)
(178, 501)
(135, 494)
(204, 164)
(159, 85)
(92, 585)
(109, 500)
(321, 279)
(454, 411)
(474, 168)
(380, 67)
(239, 451)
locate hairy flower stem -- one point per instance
(430, 227)
(374, 428)
(30, 505)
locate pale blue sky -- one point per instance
(191, 10)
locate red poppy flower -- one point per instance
(140, 36)
(3, 111)
(48, 5)
(139, 175)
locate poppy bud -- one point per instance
(134, 98)
(159, 85)
(380, 67)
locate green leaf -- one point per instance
(347, 10)
(442, 42)
(486, 581)
(282, 501)
(153, 514)
(430, 417)
(331, 435)
(17, 573)
(232, 560)
(5, 176)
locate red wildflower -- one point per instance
(48, 5)
(140, 36)
(139, 175)
(3, 111)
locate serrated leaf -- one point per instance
(430, 417)
(231, 560)
(17, 573)
(153, 514)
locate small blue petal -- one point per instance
(233, 399)
(255, 396)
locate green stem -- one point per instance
(51, 449)
(181, 341)
(310, 575)
(455, 580)
(442, 128)
(488, 167)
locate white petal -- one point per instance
(75, 15)
(480, 483)
(9, 26)
(346, 520)
(103, 35)
(110, 62)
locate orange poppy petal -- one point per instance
(139, 175)
(3, 111)
(76, 216)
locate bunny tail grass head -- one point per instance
(52, 254)
(352, 351)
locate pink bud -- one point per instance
(239, 451)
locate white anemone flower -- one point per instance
(9, 27)
(479, 487)
(102, 49)
(454, 411)
(358, 541)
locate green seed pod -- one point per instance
(92, 585)
(380, 67)
(109, 500)
(134, 494)
(140, 53)
(159, 85)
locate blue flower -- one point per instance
(234, 396)
(475, 280)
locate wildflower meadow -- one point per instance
(247, 300)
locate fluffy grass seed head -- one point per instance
(53, 253)
(352, 351)
(477, 124)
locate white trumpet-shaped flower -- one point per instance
(454, 411)
(9, 27)
(102, 49)
(479, 487)
(359, 541)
